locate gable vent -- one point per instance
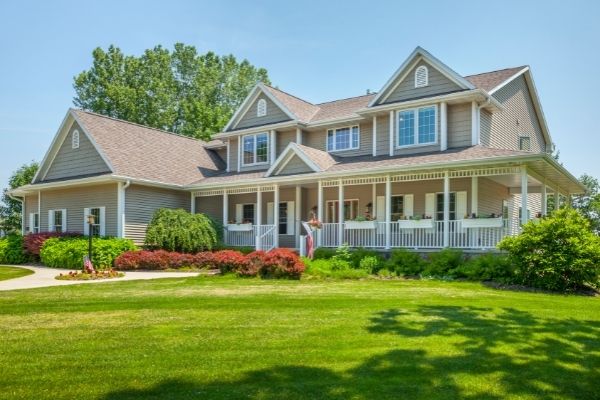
(75, 140)
(261, 108)
(421, 76)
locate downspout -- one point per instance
(122, 216)
(484, 104)
(22, 201)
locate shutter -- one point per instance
(380, 209)
(291, 217)
(409, 201)
(239, 213)
(86, 227)
(31, 222)
(50, 220)
(64, 219)
(270, 214)
(430, 205)
(102, 221)
(461, 205)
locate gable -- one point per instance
(250, 119)
(404, 88)
(69, 162)
(295, 166)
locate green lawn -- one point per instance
(228, 338)
(7, 272)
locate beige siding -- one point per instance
(318, 139)
(274, 115)
(31, 206)
(211, 206)
(295, 166)
(503, 129)
(282, 140)
(71, 162)
(74, 200)
(459, 125)
(490, 196)
(383, 135)
(142, 201)
(438, 84)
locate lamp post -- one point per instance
(90, 220)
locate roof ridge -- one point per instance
(497, 70)
(289, 94)
(140, 125)
(347, 98)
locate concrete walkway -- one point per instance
(43, 277)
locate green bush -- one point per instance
(403, 262)
(443, 263)
(357, 255)
(11, 250)
(328, 268)
(487, 267)
(559, 252)
(178, 230)
(69, 252)
(370, 264)
(323, 253)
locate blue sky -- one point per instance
(318, 50)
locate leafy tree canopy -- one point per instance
(179, 91)
(10, 210)
(588, 203)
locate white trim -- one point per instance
(475, 195)
(391, 133)
(443, 126)
(272, 147)
(374, 135)
(337, 216)
(228, 169)
(239, 157)
(120, 210)
(276, 200)
(48, 155)
(388, 212)
(509, 80)
(255, 149)
(335, 132)
(416, 143)
(298, 136)
(286, 155)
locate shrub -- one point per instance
(328, 268)
(161, 260)
(370, 263)
(33, 242)
(178, 230)
(281, 263)
(487, 267)
(403, 262)
(69, 252)
(323, 253)
(230, 261)
(443, 263)
(11, 250)
(560, 252)
(241, 249)
(357, 255)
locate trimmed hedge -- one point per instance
(11, 250)
(69, 252)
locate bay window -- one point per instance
(256, 149)
(343, 138)
(417, 126)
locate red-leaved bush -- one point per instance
(281, 263)
(161, 260)
(229, 260)
(33, 242)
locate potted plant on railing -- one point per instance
(416, 222)
(361, 222)
(482, 221)
(244, 226)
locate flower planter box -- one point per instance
(360, 224)
(482, 223)
(416, 224)
(239, 227)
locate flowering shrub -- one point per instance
(86, 276)
(230, 260)
(281, 263)
(33, 242)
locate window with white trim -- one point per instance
(417, 126)
(34, 222)
(248, 213)
(57, 220)
(75, 139)
(421, 76)
(346, 138)
(96, 227)
(255, 149)
(397, 204)
(525, 143)
(261, 108)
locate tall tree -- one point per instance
(180, 91)
(588, 203)
(10, 209)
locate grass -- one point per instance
(7, 272)
(230, 338)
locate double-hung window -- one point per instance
(417, 127)
(397, 207)
(57, 220)
(343, 138)
(34, 223)
(248, 214)
(256, 149)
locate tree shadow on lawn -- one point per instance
(549, 358)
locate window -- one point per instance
(343, 138)
(261, 108)
(256, 149)
(397, 207)
(350, 210)
(525, 143)
(34, 222)
(417, 126)
(283, 218)
(248, 213)
(421, 76)
(96, 231)
(439, 214)
(75, 139)
(57, 220)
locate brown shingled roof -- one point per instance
(489, 80)
(342, 108)
(301, 108)
(323, 159)
(140, 152)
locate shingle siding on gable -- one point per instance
(295, 166)
(500, 130)
(406, 90)
(274, 115)
(459, 125)
(70, 162)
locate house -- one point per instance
(408, 166)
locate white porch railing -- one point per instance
(418, 238)
(261, 237)
(265, 237)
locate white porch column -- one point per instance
(239, 157)
(340, 213)
(258, 221)
(474, 196)
(276, 216)
(544, 209)
(474, 123)
(273, 147)
(391, 133)
(446, 209)
(320, 211)
(225, 213)
(298, 217)
(556, 198)
(443, 126)
(524, 218)
(388, 212)
(298, 135)
(192, 203)
(228, 157)
(374, 135)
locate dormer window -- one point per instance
(261, 108)
(75, 140)
(421, 77)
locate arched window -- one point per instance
(421, 76)
(75, 140)
(261, 108)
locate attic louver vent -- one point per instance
(421, 76)
(261, 108)
(75, 140)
